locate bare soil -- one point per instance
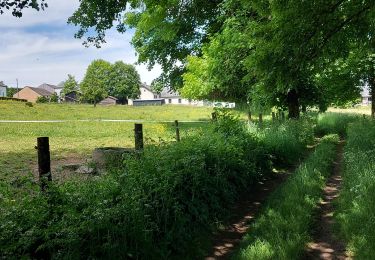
(325, 245)
(228, 238)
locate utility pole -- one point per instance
(18, 95)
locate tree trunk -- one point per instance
(293, 104)
(372, 94)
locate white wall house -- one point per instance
(3, 89)
(147, 93)
(174, 98)
(366, 97)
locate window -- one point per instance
(155, 96)
(179, 101)
(169, 101)
(369, 99)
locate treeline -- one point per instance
(103, 79)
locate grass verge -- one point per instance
(281, 231)
(356, 209)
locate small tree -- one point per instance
(54, 98)
(70, 85)
(94, 86)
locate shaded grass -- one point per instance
(281, 231)
(356, 212)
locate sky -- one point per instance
(40, 47)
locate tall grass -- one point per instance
(356, 204)
(281, 231)
(334, 123)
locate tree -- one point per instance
(94, 85)
(70, 85)
(11, 91)
(18, 5)
(166, 31)
(124, 82)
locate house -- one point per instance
(52, 88)
(366, 97)
(32, 94)
(72, 97)
(108, 101)
(174, 98)
(3, 89)
(147, 93)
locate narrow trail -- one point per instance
(325, 245)
(225, 241)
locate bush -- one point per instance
(42, 99)
(29, 104)
(334, 123)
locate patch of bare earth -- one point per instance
(227, 239)
(325, 245)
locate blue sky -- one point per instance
(40, 47)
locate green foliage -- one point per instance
(94, 85)
(124, 81)
(70, 85)
(54, 98)
(11, 92)
(334, 123)
(282, 229)
(28, 104)
(42, 99)
(18, 6)
(356, 203)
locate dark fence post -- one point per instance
(260, 118)
(283, 116)
(214, 116)
(273, 116)
(44, 161)
(138, 135)
(177, 131)
(249, 116)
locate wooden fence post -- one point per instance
(260, 118)
(138, 136)
(273, 116)
(249, 116)
(177, 131)
(283, 116)
(214, 116)
(44, 161)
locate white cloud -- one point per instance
(40, 47)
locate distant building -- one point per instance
(52, 88)
(32, 94)
(3, 89)
(366, 97)
(147, 93)
(108, 101)
(150, 102)
(174, 98)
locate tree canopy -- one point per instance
(94, 85)
(70, 85)
(17, 6)
(124, 81)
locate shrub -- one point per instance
(42, 99)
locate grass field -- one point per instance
(74, 141)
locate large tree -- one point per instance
(124, 81)
(94, 85)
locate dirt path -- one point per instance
(325, 245)
(226, 240)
